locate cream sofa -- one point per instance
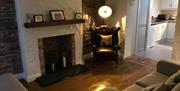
(9, 83)
(164, 70)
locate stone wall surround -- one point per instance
(90, 7)
(10, 59)
(29, 36)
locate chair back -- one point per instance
(104, 36)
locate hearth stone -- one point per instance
(60, 75)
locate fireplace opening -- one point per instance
(57, 59)
(56, 53)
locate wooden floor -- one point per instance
(101, 76)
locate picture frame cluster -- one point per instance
(56, 15)
(38, 18)
(78, 15)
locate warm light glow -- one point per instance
(86, 17)
(117, 24)
(105, 11)
(123, 22)
(100, 87)
(104, 50)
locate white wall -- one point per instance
(119, 8)
(28, 36)
(176, 44)
(131, 27)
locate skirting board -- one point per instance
(32, 77)
(20, 76)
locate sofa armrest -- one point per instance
(167, 68)
(8, 82)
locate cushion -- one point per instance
(151, 87)
(134, 87)
(162, 87)
(152, 78)
(173, 79)
(106, 40)
(104, 49)
(176, 88)
(177, 78)
(167, 67)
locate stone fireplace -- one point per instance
(29, 37)
(56, 53)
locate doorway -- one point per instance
(154, 36)
(142, 26)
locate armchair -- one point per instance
(104, 41)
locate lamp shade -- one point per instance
(105, 11)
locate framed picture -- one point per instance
(57, 15)
(78, 16)
(38, 18)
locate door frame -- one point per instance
(147, 27)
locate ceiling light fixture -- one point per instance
(105, 11)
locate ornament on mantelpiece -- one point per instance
(29, 18)
(85, 17)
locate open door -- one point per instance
(142, 25)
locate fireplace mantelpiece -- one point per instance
(28, 37)
(52, 23)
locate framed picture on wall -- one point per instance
(78, 15)
(57, 15)
(38, 18)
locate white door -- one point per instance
(142, 24)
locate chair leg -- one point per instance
(94, 60)
(116, 61)
(116, 64)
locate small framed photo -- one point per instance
(78, 15)
(38, 18)
(57, 15)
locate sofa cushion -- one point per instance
(152, 78)
(162, 87)
(173, 79)
(151, 87)
(167, 67)
(177, 78)
(134, 87)
(9, 83)
(106, 40)
(176, 88)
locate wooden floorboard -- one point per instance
(103, 74)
